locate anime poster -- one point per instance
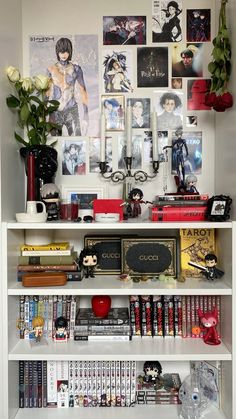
(140, 112)
(136, 152)
(162, 142)
(73, 157)
(113, 109)
(117, 73)
(198, 25)
(169, 109)
(72, 62)
(187, 156)
(94, 154)
(187, 60)
(167, 21)
(124, 30)
(152, 67)
(196, 92)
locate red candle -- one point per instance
(31, 177)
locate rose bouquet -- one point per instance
(33, 106)
(220, 67)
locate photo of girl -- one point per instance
(166, 25)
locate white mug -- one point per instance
(31, 207)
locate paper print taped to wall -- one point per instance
(196, 90)
(124, 30)
(167, 21)
(191, 154)
(72, 62)
(169, 109)
(198, 25)
(136, 152)
(187, 60)
(162, 142)
(152, 67)
(73, 157)
(117, 71)
(94, 154)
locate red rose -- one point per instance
(227, 100)
(219, 104)
(210, 99)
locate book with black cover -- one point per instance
(118, 315)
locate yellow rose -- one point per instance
(13, 74)
(41, 82)
(27, 84)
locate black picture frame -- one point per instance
(218, 208)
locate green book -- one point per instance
(47, 260)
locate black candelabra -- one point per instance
(120, 176)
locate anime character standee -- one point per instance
(209, 321)
(88, 260)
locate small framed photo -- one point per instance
(85, 196)
(218, 208)
(113, 108)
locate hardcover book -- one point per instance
(47, 260)
(119, 315)
(50, 246)
(55, 252)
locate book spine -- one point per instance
(76, 383)
(46, 252)
(31, 316)
(52, 384)
(113, 330)
(94, 384)
(40, 383)
(59, 306)
(108, 384)
(178, 315)
(73, 306)
(62, 384)
(121, 338)
(118, 383)
(44, 372)
(99, 382)
(51, 246)
(81, 384)
(188, 316)
(157, 318)
(201, 306)
(133, 383)
(66, 309)
(218, 306)
(122, 383)
(26, 378)
(22, 317)
(85, 384)
(171, 315)
(21, 384)
(54, 315)
(31, 398)
(128, 383)
(26, 315)
(193, 315)
(47, 260)
(45, 268)
(113, 383)
(132, 314)
(184, 317)
(35, 384)
(71, 383)
(89, 380)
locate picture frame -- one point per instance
(218, 208)
(113, 107)
(84, 195)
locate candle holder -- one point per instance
(120, 176)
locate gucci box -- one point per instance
(149, 256)
(109, 253)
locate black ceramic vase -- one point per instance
(45, 164)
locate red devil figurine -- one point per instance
(209, 321)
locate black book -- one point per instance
(85, 316)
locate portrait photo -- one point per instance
(113, 109)
(117, 71)
(73, 157)
(187, 60)
(167, 21)
(140, 112)
(176, 83)
(198, 25)
(169, 109)
(152, 67)
(124, 30)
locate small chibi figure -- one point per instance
(61, 324)
(209, 321)
(50, 195)
(190, 182)
(88, 260)
(152, 371)
(210, 271)
(37, 324)
(133, 207)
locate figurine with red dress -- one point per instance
(209, 321)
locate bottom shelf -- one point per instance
(169, 412)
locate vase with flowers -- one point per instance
(33, 107)
(219, 98)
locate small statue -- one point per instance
(210, 271)
(88, 260)
(133, 207)
(209, 321)
(152, 374)
(50, 195)
(190, 184)
(37, 324)
(61, 324)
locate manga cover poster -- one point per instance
(72, 63)
(73, 157)
(113, 108)
(152, 67)
(140, 112)
(162, 142)
(124, 30)
(187, 60)
(94, 154)
(136, 152)
(188, 156)
(169, 108)
(117, 74)
(196, 92)
(166, 21)
(198, 25)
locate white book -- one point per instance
(62, 384)
(52, 383)
(66, 252)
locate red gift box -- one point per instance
(168, 213)
(112, 206)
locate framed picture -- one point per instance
(113, 108)
(218, 208)
(85, 196)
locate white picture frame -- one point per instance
(84, 195)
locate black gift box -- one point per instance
(149, 256)
(109, 253)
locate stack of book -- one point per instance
(167, 394)
(116, 326)
(46, 258)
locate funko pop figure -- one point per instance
(61, 324)
(88, 260)
(38, 323)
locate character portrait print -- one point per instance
(124, 30)
(188, 157)
(140, 112)
(152, 67)
(169, 110)
(113, 109)
(167, 24)
(199, 25)
(162, 142)
(74, 157)
(187, 60)
(116, 75)
(136, 152)
(74, 74)
(94, 154)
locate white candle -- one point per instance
(155, 151)
(103, 137)
(128, 131)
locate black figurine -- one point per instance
(133, 207)
(50, 195)
(210, 271)
(61, 324)
(88, 260)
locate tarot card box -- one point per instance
(149, 256)
(109, 253)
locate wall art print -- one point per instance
(124, 30)
(167, 21)
(152, 67)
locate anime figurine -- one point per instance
(133, 207)
(152, 371)
(50, 196)
(61, 324)
(190, 184)
(210, 271)
(195, 393)
(88, 260)
(209, 321)
(178, 147)
(37, 324)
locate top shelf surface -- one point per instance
(124, 225)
